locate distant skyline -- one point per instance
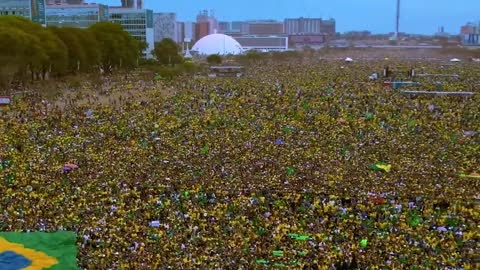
(377, 16)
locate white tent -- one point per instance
(455, 60)
(217, 44)
(348, 59)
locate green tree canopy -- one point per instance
(48, 52)
(90, 46)
(27, 48)
(167, 52)
(118, 49)
(214, 59)
(76, 52)
(15, 48)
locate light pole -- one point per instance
(397, 29)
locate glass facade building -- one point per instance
(31, 9)
(133, 21)
(137, 22)
(76, 16)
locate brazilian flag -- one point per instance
(38, 251)
(380, 166)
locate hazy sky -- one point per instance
(378, 16)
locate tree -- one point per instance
(142, 46)
(14, 48)
(57, 52)
(27, 48)
(46, 52)
(214, 59)
(118, 49)
(75, 51)
(91, 48)
(167, 52)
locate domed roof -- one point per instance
(217, 44)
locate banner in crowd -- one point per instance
(38, 250)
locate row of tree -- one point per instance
(29, 51)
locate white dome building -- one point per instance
(217, 44)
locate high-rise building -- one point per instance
(306, 26)
(328, 27)
(189, 30)
(202, 29)
(127, 3)
(138, 23)
(206, 20)
(165, 26)
(237, 26)
(471, 34)
(82, 16)
(65, 2)
(224, 27)
(180, 32)
(264, 28)
(303, 26)
(138, 4)
(470, 28)
(31, 9)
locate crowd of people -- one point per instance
(298, 165)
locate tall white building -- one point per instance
(189, 31)
(165, 26)
(180, 32)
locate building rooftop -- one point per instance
(86, 5)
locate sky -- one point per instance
(377, 16)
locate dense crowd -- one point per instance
(298, 165)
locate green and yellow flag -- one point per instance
(38, 251)
(380, 166)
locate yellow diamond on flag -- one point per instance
(386, 168)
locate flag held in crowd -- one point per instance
(38, 250)
(380, 166)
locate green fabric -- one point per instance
(60, 245)
(262, 261)
(287, 130)
(290, 171)
(205, 150)
(302, 237)
(363, 243)
(277, 253)
(414, 220)
(298, 237)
